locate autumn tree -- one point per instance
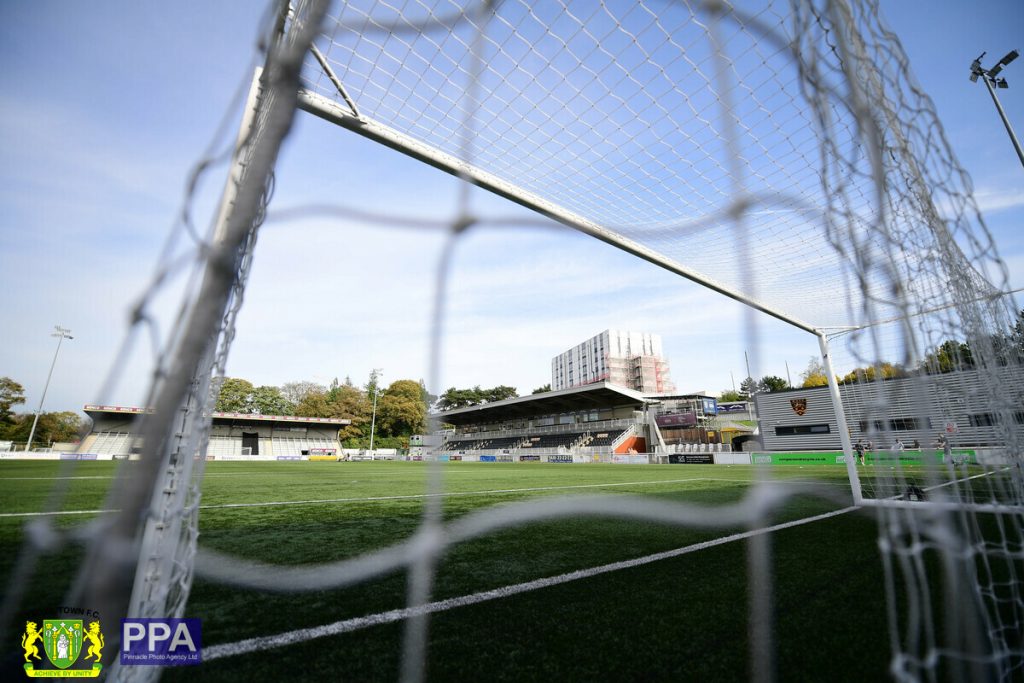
(871, 373)
(814, 375)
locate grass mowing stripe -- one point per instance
(377, 498)
(348, 625)
(446, 494)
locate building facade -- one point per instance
(916, 410)
(633, 360)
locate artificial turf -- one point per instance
(684, 618)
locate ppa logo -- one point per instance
(161, 642)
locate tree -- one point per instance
(543, 390)
(1008, 348)
(401, 410)
(11, 394)
(62, 426)
(461, 398)
(314, 404)
(428, 398)
(771, 383)
(814, 375)
(267, 400)
(730, 395)
(295, 392)
(748, 387)
(500, 393)
(949, 356)
(240, 396)
(872, 373)
(234, 395)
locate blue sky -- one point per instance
(105, 107)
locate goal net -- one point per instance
(779, 153)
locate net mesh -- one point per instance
(778, 152)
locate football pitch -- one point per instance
(571, 597)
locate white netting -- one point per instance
(778, 152)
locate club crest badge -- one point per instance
(799, 405)
(62, 641)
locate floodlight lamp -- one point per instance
(1001, 83)
(974, 77)
(1010, 56)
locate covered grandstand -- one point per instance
(232, 435)
(594, 422)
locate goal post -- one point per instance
(776, 152)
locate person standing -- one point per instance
(859, 450)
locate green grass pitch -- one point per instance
(683, 618)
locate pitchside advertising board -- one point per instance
(879, 458)
(691, 459)
(71, 645)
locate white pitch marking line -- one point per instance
(349, 625)
(99, 476)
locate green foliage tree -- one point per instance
(748, 387)
(402, 410)
(949, 356)
(461, 398)
(543, 390)
(500, 393)
(11, 394)
(234, 395)
(1008, 347)
(730, 395)
(771, 383)
(240, 396)
(267, 400)
(61, 426)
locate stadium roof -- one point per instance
(598, 395)
(221, 417)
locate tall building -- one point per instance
(627, 359)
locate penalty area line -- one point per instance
(348, 625)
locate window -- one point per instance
(794, 430)
(983, 419)
(899, 424)
(905, 424)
